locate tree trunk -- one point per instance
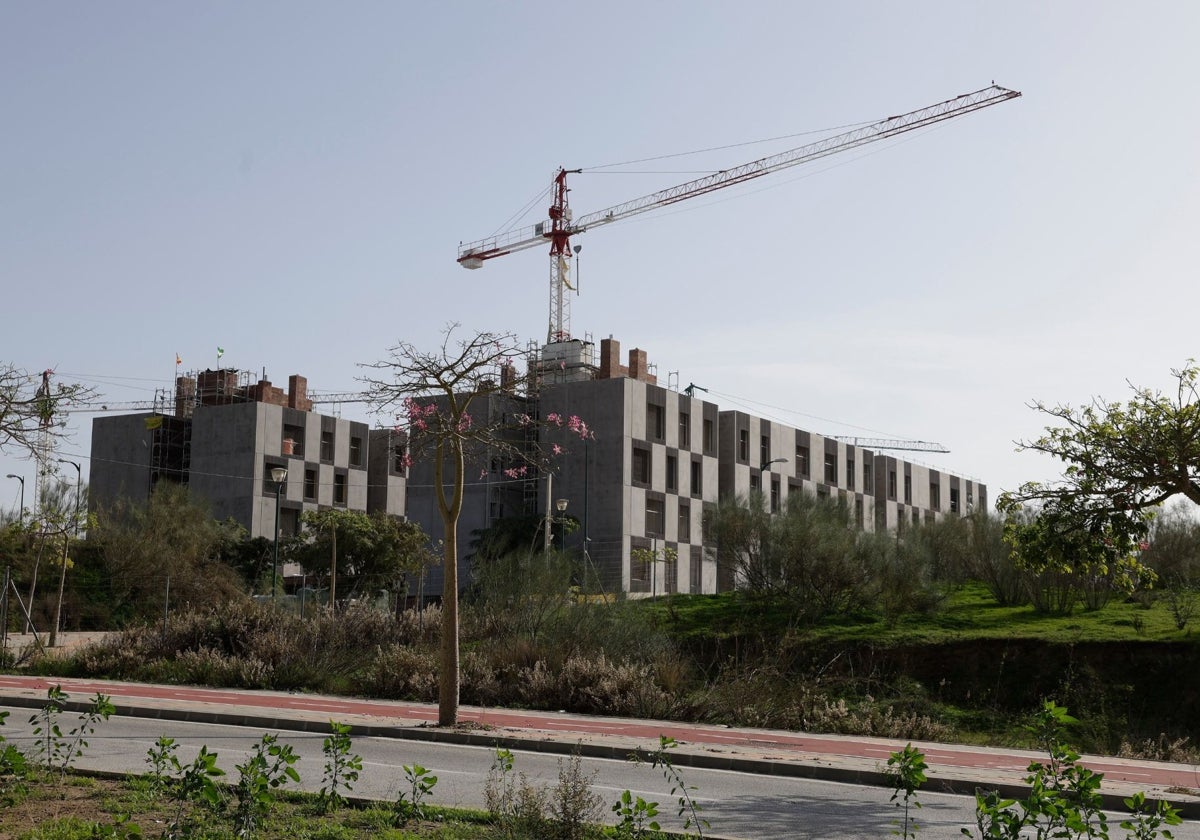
(62, 584)
(449, 681)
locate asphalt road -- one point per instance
(737, 805)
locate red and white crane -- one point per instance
(558, 229)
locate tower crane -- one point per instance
(561, 225)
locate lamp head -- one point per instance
(561, 504)
(278, 474)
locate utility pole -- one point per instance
(333, 570)
(74, 531)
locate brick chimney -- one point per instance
(638, 366)
(185, 395)
(297, 396)
(610, 359)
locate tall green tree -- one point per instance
(171, 537)
(373, 551)
(810, 557)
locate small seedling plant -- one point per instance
(54, 750)
(907, 769)
(689, 808)
(163, 762)
(635, 816)
(342, 768)
(195, 783)
(12, 763)
(268, 768)
(411, 803)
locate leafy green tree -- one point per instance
(171, 536)
(1122, 461)
(373, 551)
(811, 556)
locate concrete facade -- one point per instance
(640, 483)
(885, 493)
(223, 443)
(657, 461)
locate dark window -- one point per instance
(356, 453)
(695, 576)
(755, 483)
(399, 458)
(641, 466)
(310, 485)
(830, 468)
(764, 449)
(697, 478)
(327, 446)
(802, 461)
(954, 500)
(858, 512)
(339, 489)
(935, 495)
(672, 473)
(708, 436)
(655, 516)
(685, 430)
(656, 427)
(908, 489)
(891, 484)
(743, 444)
(850, 472)
(774, 495)
(868, 484)
(269, 483)
(685, 522)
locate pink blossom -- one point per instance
(482, 475)
(515, 472)
(464, 423)
(555, 418)
(524, 419)
(556, 449)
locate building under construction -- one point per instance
(658, 458)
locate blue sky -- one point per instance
(290, 181)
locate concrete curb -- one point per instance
(846, 770)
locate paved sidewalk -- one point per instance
(952, 768)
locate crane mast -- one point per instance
(561, 226)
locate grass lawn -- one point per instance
(968, 613)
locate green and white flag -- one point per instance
(220, 353)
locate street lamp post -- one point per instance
(20, 478)
(62, 578)
(279, 476)
(767, 465)
(561, 504)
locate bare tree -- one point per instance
(30, 406)
(431, 395)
